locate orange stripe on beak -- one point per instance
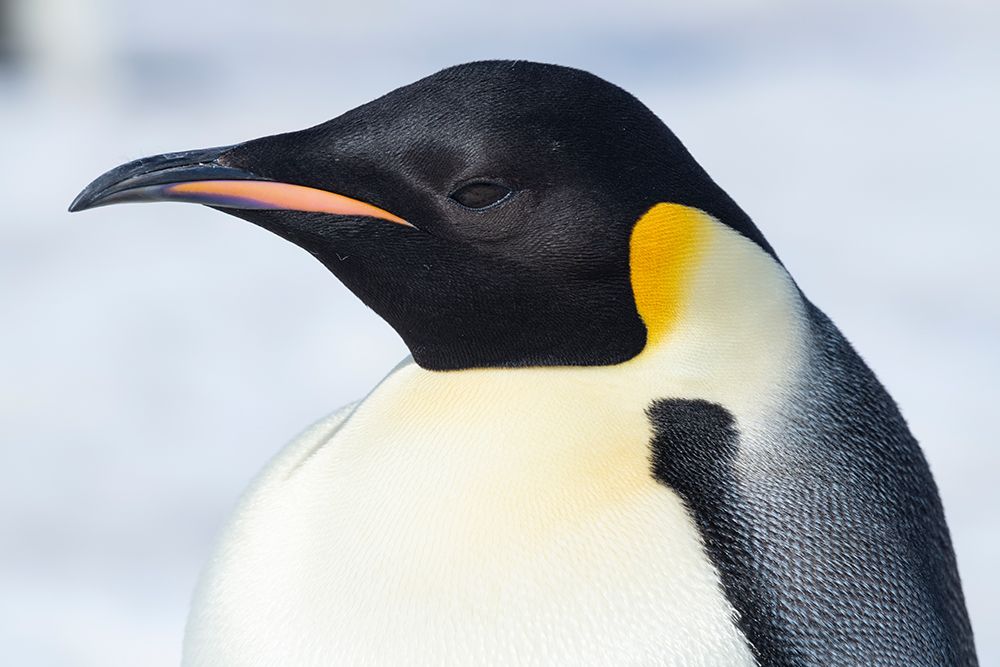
(273, 195)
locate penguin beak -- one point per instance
(203, 177)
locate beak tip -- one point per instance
(83, 202)
(79, 204)
(89, 197)
(106, 188)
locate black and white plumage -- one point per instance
(624, 437)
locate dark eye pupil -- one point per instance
(480, 195)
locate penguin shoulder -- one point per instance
(307, 443)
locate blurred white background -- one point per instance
(152, 358)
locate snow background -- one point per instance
(152, 358)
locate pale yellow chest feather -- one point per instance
(503, 516)
(526, 529)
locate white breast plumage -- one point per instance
(501, 517)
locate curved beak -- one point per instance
(202, 177)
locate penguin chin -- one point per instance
(313, 232)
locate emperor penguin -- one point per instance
(624, 435)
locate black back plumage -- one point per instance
(832, 547)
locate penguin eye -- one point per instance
(480, 195)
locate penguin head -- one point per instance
(488, 212)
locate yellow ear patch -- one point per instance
(665, 248)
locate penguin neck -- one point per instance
(726, 324)
(532, 452)
(725, 321)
